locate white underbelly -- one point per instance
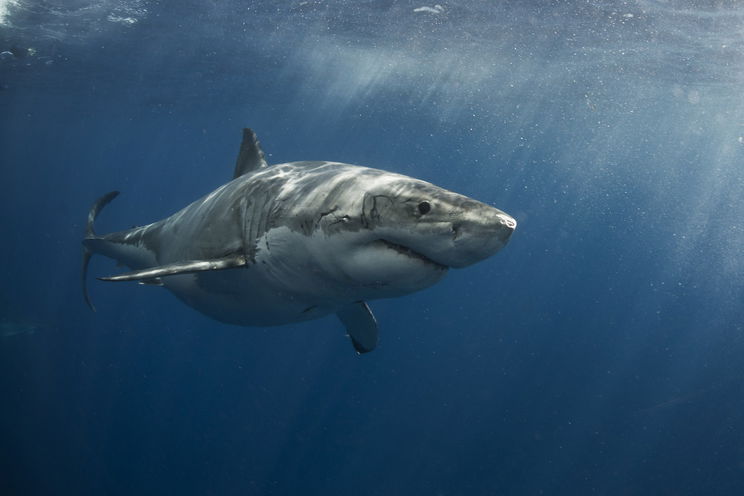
(295, 277)
(243, 296)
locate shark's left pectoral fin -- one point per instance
(151, 274)
(361, 326)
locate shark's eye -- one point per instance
(424, 207)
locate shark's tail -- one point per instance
(91, 234)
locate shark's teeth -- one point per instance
(411, 253)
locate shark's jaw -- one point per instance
(411, 253)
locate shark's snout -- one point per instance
(505, 226)
(479, 235)
(508, 221)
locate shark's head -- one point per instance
(403, 233)
(426, 222)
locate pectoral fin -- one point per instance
(186, 267)
(361, 326)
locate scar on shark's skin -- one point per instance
(301, 240)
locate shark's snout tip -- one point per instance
(508, 221)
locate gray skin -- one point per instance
(301, 240)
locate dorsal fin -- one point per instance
(250, 157)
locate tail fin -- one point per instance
(91, 234)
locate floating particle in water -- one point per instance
(437, 9)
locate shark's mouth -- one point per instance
(404, 250)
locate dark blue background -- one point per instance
(600, 353)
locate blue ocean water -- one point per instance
(601, 352)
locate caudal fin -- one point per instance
(90, 233)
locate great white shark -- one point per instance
(298, 241)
